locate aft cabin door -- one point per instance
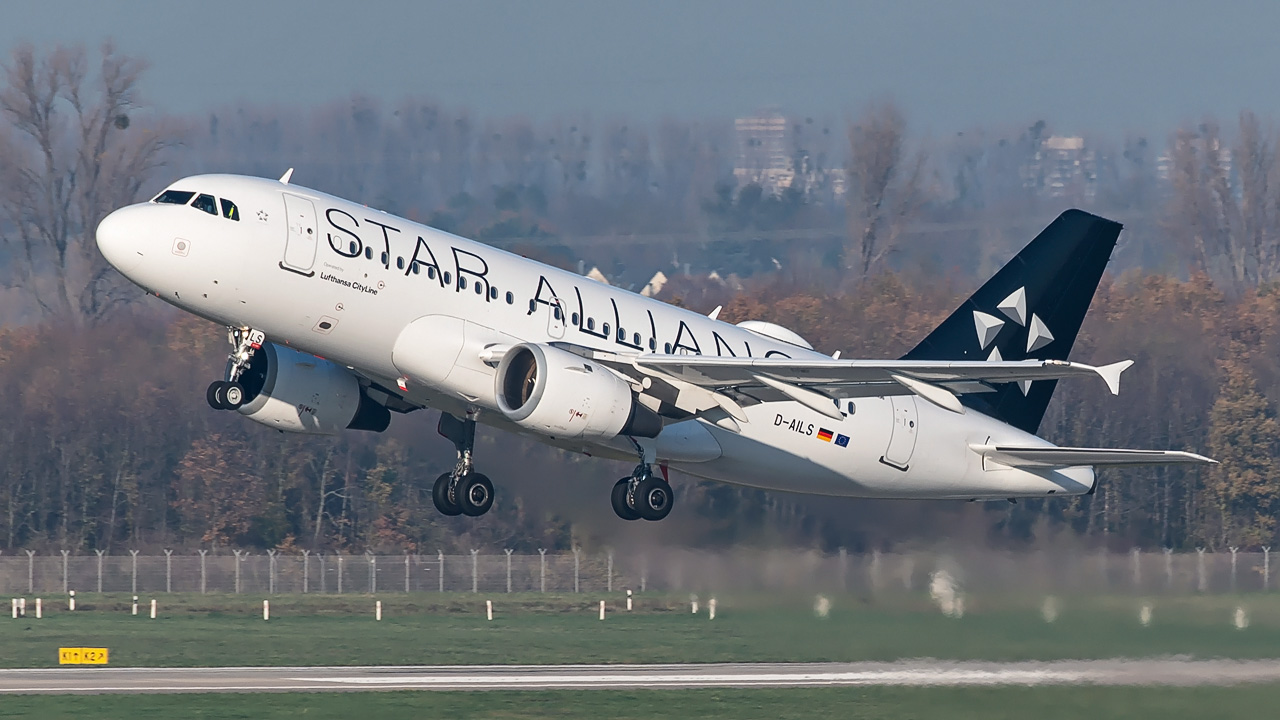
(300, 248)
(902, 441)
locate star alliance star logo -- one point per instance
(1014, 308)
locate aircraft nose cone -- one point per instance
(119, 241)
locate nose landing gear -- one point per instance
(229, 394)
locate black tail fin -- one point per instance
(1031, 309)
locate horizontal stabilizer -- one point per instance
(1068, 456)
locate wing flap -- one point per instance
(1070, 456)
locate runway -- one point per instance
(917, 673)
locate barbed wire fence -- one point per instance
(659, 570)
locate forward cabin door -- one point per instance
(902, 441)
(556, 320)
(300, 248)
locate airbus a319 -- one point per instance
(341, 316)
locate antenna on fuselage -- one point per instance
(285, 177)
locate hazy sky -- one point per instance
(1094, 65)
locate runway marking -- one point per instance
(900, 677)
(917, 673)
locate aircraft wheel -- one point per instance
(232, 395)
(619, 499)
(440, 496)
(654, 498)
(475, 495)
(214, 395)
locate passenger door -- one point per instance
(556, 319)
(902, 440)
(300, 247)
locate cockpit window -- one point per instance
(206, 203)
(174, 197)
(229, 210)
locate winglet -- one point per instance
(285, 177)
(1111, 374)
(715, 314)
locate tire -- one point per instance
(654, 498)
(475, 495)
(440, 496)
(232, 395)
(214, 395)
(619, 500)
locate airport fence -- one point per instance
(661, 570)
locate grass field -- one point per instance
(1049, 703)
(196, 630)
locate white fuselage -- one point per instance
(337, 279)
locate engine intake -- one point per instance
(557, 393)
(298, 392)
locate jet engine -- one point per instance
(298, 392)
(557, 393)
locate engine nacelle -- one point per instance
(557, 393)
(297, 392)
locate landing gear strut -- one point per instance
(642, 495)
(229, 394)
(462, 491)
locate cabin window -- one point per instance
(591, 323)
(206, 203)
(431, 272)
(353, 249)
(479, 288)
(604, 329)
(416, 267)
(653, 345)
(174, 197)
(622, 335)
(368, 253)
(383, 258)
(574, 319)
(447, 277)
(493, 293)
(511, 298)
(462, 282)
(229, 210)
(557, 313)
(852, 408)
(635, 339)
(666, 348)
(399, 263)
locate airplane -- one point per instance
(340, 315)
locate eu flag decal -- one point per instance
(824, 435)
(842, 440)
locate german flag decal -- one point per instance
(824, 435)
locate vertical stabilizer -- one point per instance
(1031, 309)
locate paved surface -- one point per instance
(89, 680)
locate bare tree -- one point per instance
(1225, 205)
(69, 154)
(884, 186)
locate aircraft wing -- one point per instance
(731, 382)
(1069, 456)
(732, 372)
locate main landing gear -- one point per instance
(462, 491)
(642, 495)
(229, 394)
